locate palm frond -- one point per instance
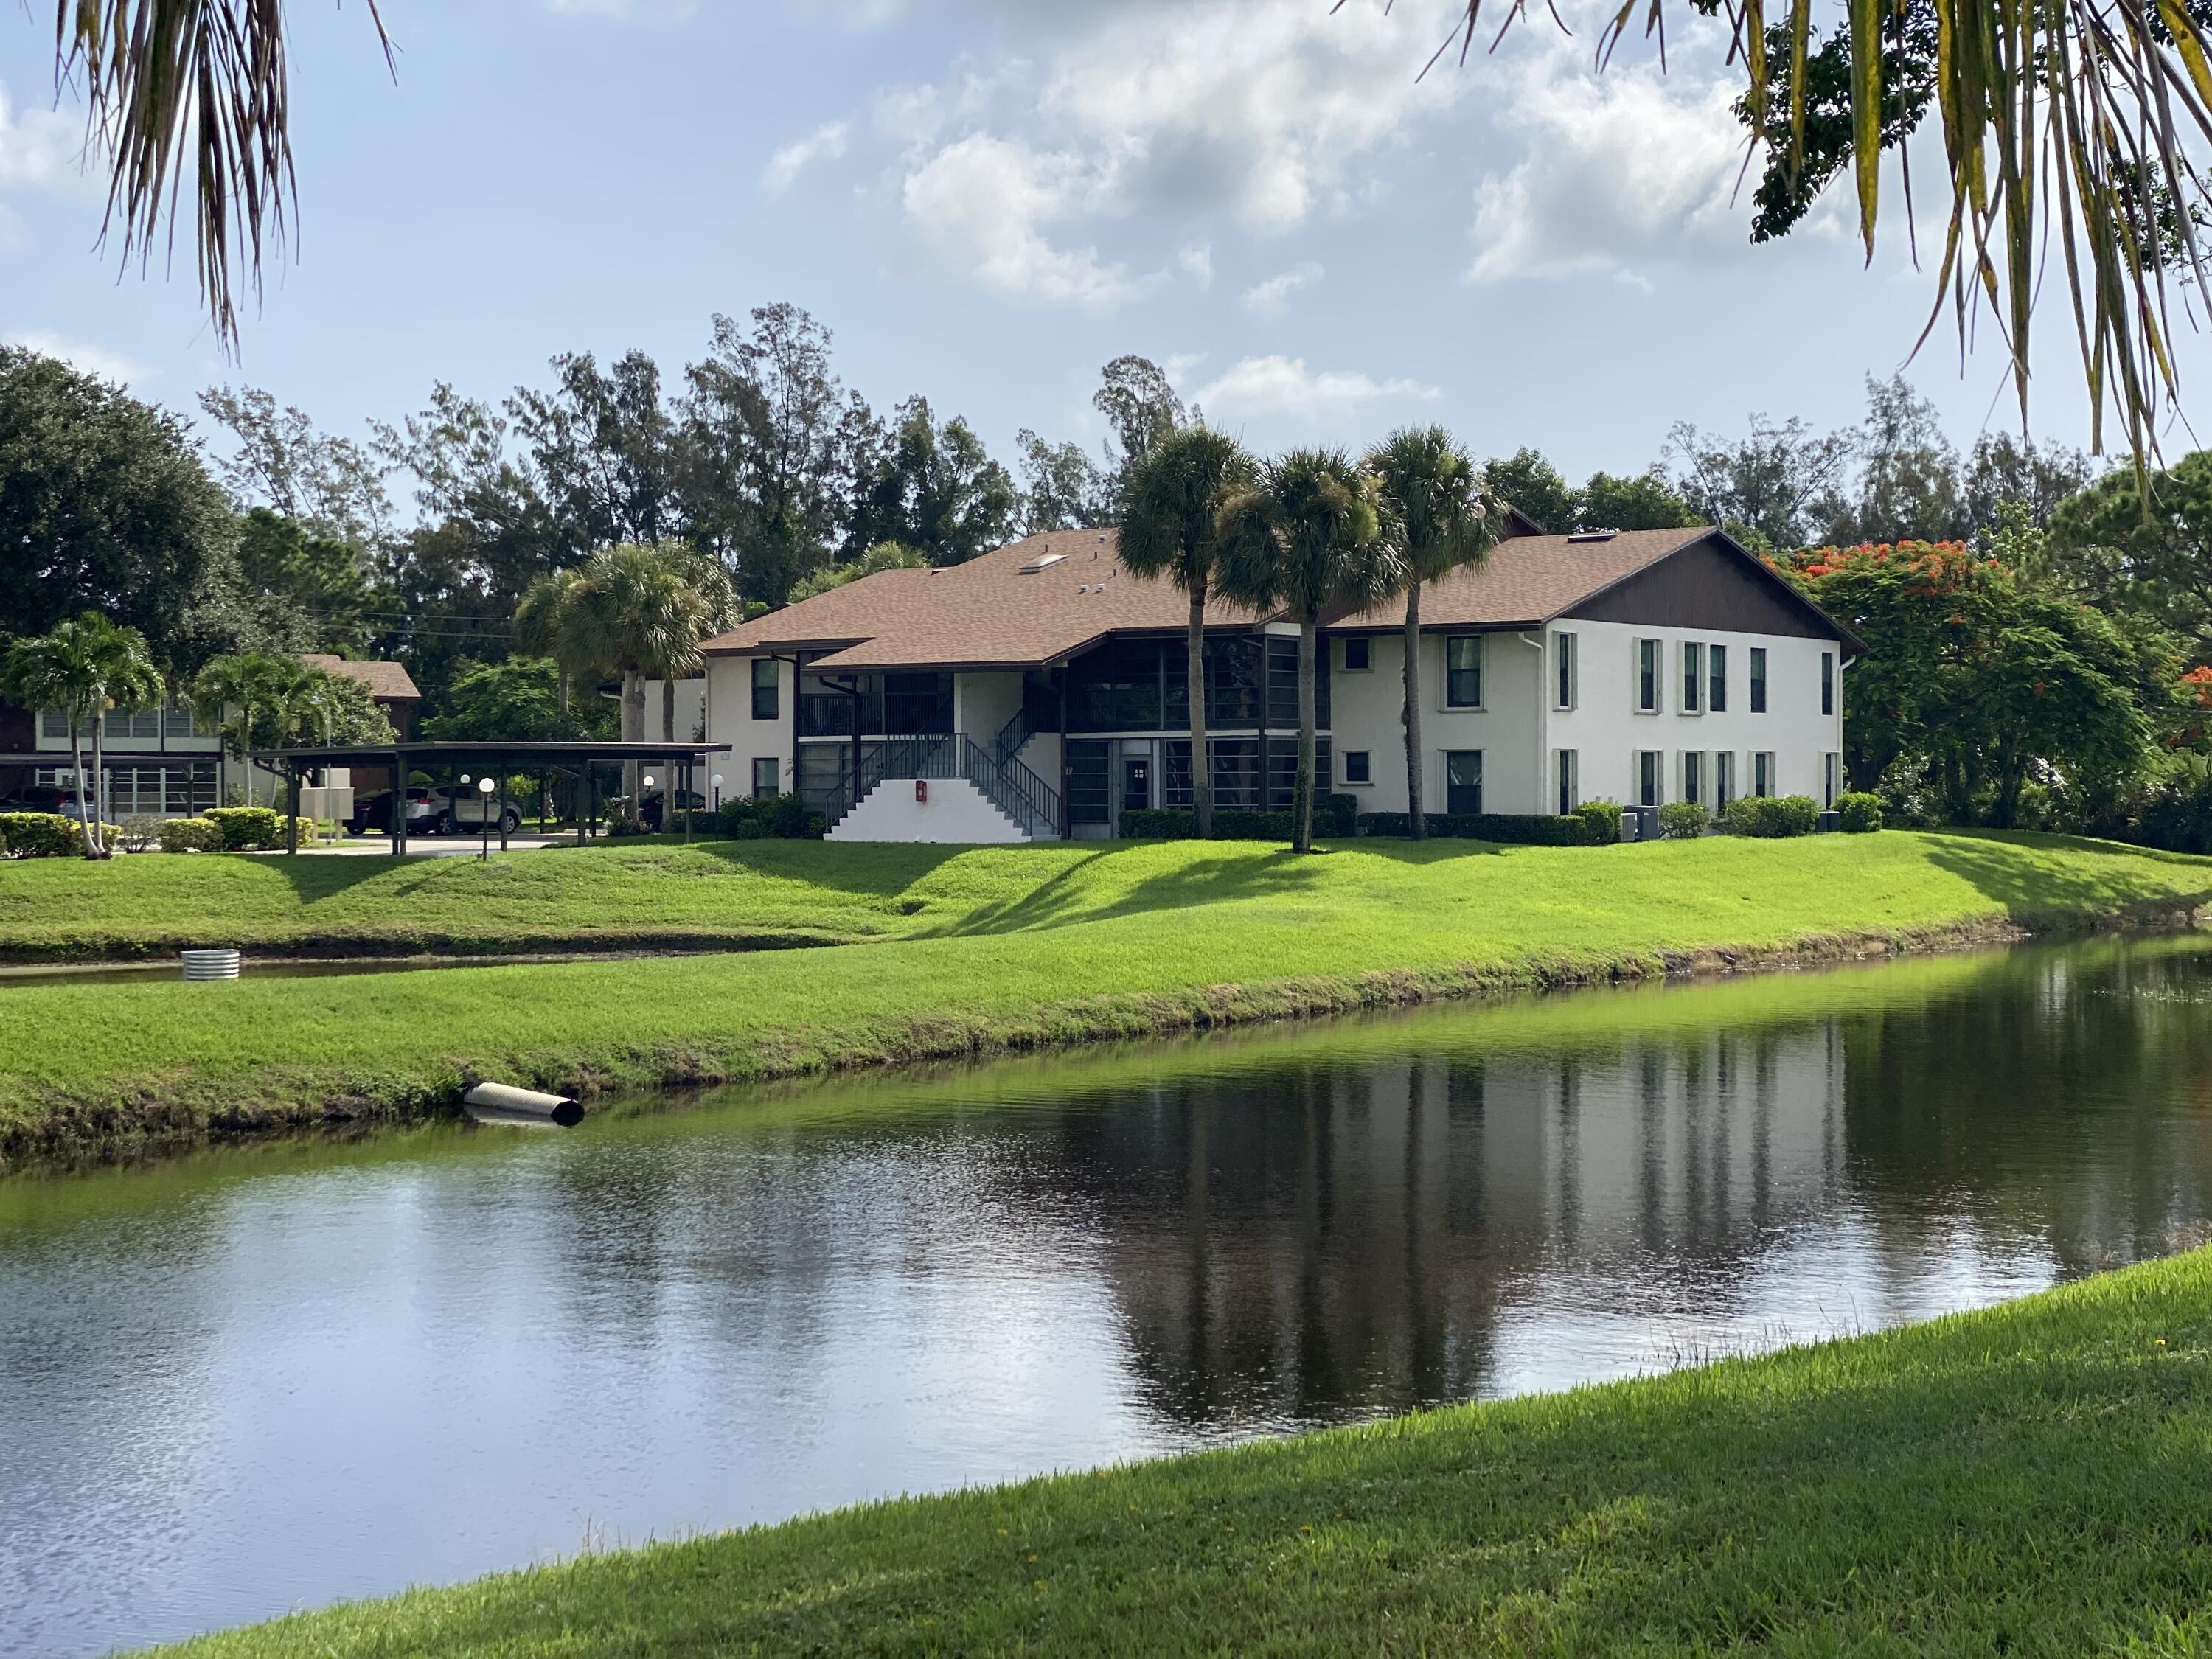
(197, 89)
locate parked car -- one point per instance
(656, 805)
(373, 810)
(41, 798)
(463, 809)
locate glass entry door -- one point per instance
(1136, 782)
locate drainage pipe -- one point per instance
(502, 1098)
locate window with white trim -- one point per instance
(1762, 773)
(1463, 672)
(767, 772)
(1832, 769)
(1358, 654)
(1358, 767)
(1566, 767)
(1693, 676)
(1828, 682)
(1693, 774)
(1647, 677)
(1651, 777)
(1463, 781)
(1717, 679)
(1563, 665)
(1723, 779)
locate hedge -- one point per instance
(41, 835)
(1535, 829)
(189, 836)
(1334, 815)
(768, 817)
(1683, 820)
(1858, 812)
(246, 829)
(1769, 817)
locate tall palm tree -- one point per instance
(719, 609)
(84, 668)
(1435, 515)
(634, 613)
(1303, 535)
(538, 623)
(1170, 500)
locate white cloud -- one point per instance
(1268, 110)
(92, 359)
(825, 143)
(1198, 260)
(1619, 171)
(40, 148)
(1284, 385)
(1272, 297)
(983, 203)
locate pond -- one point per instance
(247, 1380)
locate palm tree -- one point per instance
(243, 697)
(538, 622)
(1435, 515)
(1169, 499)
(84, 668)
(719, 609)
(633, 612)
(1306, 535)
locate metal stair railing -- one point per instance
(1012, 737)
(1014, 789)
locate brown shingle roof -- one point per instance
(985, 613)
(387, 681)
(1530, 578)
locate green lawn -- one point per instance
(1010, 947)
(2030, 1481)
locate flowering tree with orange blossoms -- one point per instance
(1979, 680)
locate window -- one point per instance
(1463, 673)
(1358, 768)
(1647, 677)
(1717, 678)
(1648, 781)
(1724, 780)
(1762, 774)
(1087, 801)
(1831, 766)
(765, 673)
(1356, 658)
(1565, 767)
(766, 773)
(1694, 775)
(1828, 682)
(1283, 684)
(1758, 679)
(1562, 654)
(131, 723)
(1463, 781)
(181, 722)
(1693, 676)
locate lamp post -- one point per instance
(716, 781)
(644, 788)
(484, 786)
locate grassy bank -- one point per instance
(2027, 1480)
(1029, 946)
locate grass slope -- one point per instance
(2027, 1480)
(1037, 944)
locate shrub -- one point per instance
(1683, 820)
(781, 817)
(1535, 829)
(1601, 821)
(1858, 812)
(1333, 815)
(189, 836)
(40, 834)
(140, 831)
(245, 828)
(1770, 817)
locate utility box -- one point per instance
(326, 802)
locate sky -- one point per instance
(985, 200)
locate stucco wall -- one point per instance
(1606, 731)
(982, 703)
(730, 720)
(1364, 710)
(956, 813)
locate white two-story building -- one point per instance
(1039, 691)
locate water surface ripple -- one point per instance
(250, 1380)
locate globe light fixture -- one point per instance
(484, 786)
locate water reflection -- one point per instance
(246, 1380)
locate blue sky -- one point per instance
(987, 199)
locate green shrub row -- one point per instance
(44, 835)
(770, 817)
(1534, 831)
(1683, 820)
(1333, 815)
(1770, 817)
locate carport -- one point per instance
(501, 759)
